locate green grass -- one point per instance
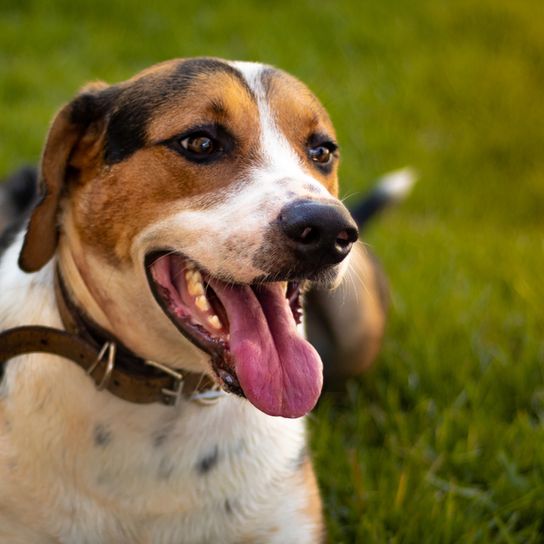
(443, 441)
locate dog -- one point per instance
(151, 305)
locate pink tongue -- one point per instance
(279, 371)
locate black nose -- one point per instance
(322, 233)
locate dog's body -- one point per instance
(204, 161)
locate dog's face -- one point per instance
(195, 201)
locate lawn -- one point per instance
(443, 441)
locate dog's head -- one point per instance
(190, 205)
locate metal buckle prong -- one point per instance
(110, 348)
(170, 396)
(209, 396)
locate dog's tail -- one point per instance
(18, 193)
(391, 188)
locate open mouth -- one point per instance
(250, 332)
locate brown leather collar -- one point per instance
(110, 364)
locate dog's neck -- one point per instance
(72, 265)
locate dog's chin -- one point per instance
(250, 331)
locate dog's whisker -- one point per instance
(349, 195)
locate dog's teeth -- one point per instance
(193, 279)
(202, 302)
(197, 276)
(213, 320)
(195, 288)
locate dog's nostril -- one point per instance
(309, 235)
(343, 240)
(346, 237)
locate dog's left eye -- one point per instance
(323, 153)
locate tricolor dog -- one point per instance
(157, 372)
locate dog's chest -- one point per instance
(194, 474)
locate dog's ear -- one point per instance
(68, 127)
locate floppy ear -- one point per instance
(66, 131)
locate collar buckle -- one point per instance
(170, 396)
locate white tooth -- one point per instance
(202, 303)
(195, 288)
(197, 276)
(213, 320)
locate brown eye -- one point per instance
(199, 144)
(204, 144)
(321, 154)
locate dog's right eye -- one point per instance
(199, 146)
(202, 144)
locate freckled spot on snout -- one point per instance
(311, 188)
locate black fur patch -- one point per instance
(160, 436)
(101, 435)
(208, 462)
(126, 130)
(127, 127)
(90, 106)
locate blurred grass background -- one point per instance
(443, 440)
